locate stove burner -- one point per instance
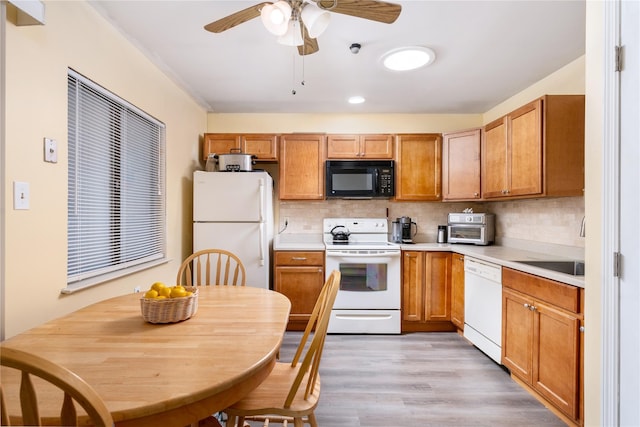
(340, 242)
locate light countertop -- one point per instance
(503, 255)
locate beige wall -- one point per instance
(36, 107)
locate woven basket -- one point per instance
(170, 310)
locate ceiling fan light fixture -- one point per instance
(293, 36)
(315, 19)
(408, 58)
(276, 17)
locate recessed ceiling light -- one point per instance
(408, 58)
(356, 100)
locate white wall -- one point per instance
(37, 59)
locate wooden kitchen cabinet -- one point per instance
(263, 146)
(457, 290)
(536, 150)
(300, 277)
(461, 165)
(301, 166)
(426, 291)
(360, 146)
(418, 167)
(541, 339)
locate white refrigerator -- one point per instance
(234, 211)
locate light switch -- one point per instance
(50, 150)
(20, 195)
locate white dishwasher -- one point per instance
(483, 306)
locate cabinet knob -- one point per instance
(581, 328)
(476, 195)
(529, 306)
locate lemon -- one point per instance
(151, 293)
(157, 286)
(160, 297)
(165, 292)
(188, 294)
(178, 291)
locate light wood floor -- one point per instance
(418, 379)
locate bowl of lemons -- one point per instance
(169, 304)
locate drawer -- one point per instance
(299, 258)
(556, 293)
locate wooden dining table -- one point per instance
(164, 374)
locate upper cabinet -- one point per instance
(360, 146)
(263, 146)
(536, 150)
(461, 165)
(418, 167)
(301, 166)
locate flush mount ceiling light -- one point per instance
(408, 58)
(356, 99)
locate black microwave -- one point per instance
(359, 179)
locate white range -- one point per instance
(368, 301)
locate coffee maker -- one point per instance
(402, 230)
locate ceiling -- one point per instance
(486, 51)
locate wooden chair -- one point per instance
(292, 390)
(74, 388)
(211, 267)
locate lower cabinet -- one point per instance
(541, 339)
(299, 276)
(426, 291)
(457, 290)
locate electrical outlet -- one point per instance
(50, 150)
(136, 289)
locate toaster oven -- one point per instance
(471, 228)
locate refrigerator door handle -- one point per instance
(262, 207)
(261, 243)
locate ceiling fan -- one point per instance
(299, 22)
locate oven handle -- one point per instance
(362, 255)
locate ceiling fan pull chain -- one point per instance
(293, 75)
(302, 82)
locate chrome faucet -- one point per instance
(582, 227)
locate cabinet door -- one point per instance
(461, 165)
(437, 286)
(412, 286)
(517, 334)
(302, 286)
(525, 150)
(494, 160)
(343, 146)
(301, 167)
(219, 143)
(264, 146)
(457, 290)
(556, 357)
(376, 146)
(418, 164)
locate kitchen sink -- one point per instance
(575, 268)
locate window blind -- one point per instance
(116, 182)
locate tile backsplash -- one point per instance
(554, 220)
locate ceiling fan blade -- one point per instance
(373, 10)
(310, 45)
(235, 19)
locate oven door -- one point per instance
(467, 233)
(370, 278)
